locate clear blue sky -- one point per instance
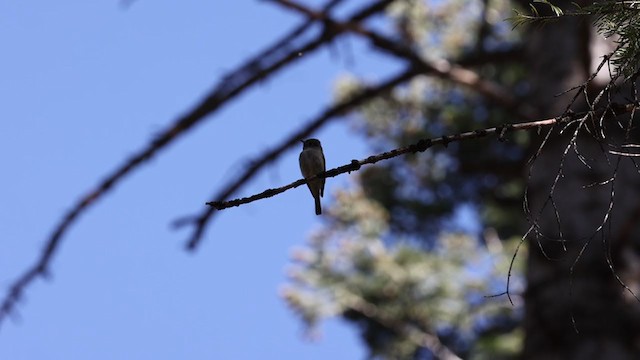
(86, 84)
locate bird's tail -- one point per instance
(318, 205)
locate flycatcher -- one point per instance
(311, 164)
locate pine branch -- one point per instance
(611, 18)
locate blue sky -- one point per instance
(85, 84)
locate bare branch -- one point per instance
(201, 220)
(419, 146)
(440, 68)
(258, 68)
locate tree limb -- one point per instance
(419, 146)
(441, 68)
(257, 68)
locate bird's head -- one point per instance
(311, 143)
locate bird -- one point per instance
(312, 163)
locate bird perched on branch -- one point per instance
(311, 164)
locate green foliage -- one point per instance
(522, 18)
(613, 19)
(620, 19)
(398, 295)
(391, 259)
(421, 190)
